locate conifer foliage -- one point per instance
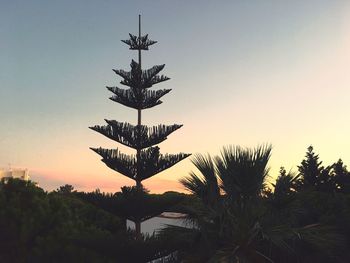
(148, 160)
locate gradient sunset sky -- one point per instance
(242, 73)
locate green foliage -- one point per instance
(238, 220)
(243, 172)
(65, 189)
(341, 177)
(133, 203)
(39, 227)
(231, 216)
(61, 226)
(148, 161)
(313, 175)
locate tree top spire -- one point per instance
(139, 42)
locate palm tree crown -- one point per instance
(234, 220)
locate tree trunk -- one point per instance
(138, 229)
(138, 185)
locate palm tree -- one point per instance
(234, 221)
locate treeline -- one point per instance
(70, 226)
(237, 214)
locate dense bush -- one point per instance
(70, 226)
(36, 226)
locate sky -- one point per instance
(242, 73)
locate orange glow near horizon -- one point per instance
(109, 183)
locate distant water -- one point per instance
(151, 225)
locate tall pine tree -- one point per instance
(148, 160)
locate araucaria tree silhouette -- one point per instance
(148, 161)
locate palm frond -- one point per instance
(205, 185)
(323, 238)
(243, 172)
(193, 184)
